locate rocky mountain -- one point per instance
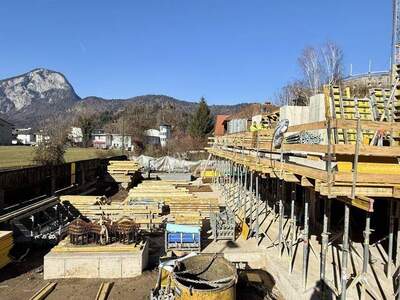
(32, 98)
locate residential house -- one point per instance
(76, 135)
(25, 136)
(165, 134)
(101, 140)
(152, 137)
(116, 141)
(158, 136)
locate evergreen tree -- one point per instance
(202, 122)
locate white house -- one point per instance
(158, 137)
(76, 135)
(165, 134)
(101, 140)
(152, 137)
(6, 132)
(40, 137)
(25, 136)
(116, 141)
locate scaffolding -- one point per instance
(310, 194)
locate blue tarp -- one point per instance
(182, 228)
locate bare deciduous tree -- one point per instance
(310, 64)
(332, 56)
(51, 149)
(293, 93)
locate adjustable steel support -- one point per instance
(245, 194)
(324, 242)
(390, 241)
(292, 225)
(345, 251)
(361, 279)
(257, 212)
(251, 194)
(280, 234)
(305, 238)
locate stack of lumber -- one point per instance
(177, 197)
(6, 243)
(145, 213)
(122, 171)
(205, 206)
(190, 218)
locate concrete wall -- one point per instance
(315, 112)
(317, 108)
(295, 114)
(95, 264)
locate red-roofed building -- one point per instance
(219, 125)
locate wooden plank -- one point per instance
(104, 290)
(308, 126)
(306, 182)
(361, 202)
(44, 291)
(366, 124)
(360, 191)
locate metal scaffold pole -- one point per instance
(245, 195)
(292, 225)
(325, 241)
(305, 238)
(257, 212)
(345, 251)
(240, 187)
(367, 233)
(251, 202)
(390, 241)
(280, 233)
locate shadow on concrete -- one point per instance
(256, 285)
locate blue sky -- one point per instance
(228, 51)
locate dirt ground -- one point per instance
(20, 280)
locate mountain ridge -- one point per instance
(32, 98)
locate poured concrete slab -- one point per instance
(112, 261)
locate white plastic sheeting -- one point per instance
(171, 164)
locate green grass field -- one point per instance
(20, 156)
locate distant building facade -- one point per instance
(100, 139)
(103, 140)
(76, 135)
(165, 134)
(158, 136)
(116, 141)
(6, 132)
(25, 136)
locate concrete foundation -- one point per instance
(112, 261)
(243, 254)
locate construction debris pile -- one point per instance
(6, 243)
